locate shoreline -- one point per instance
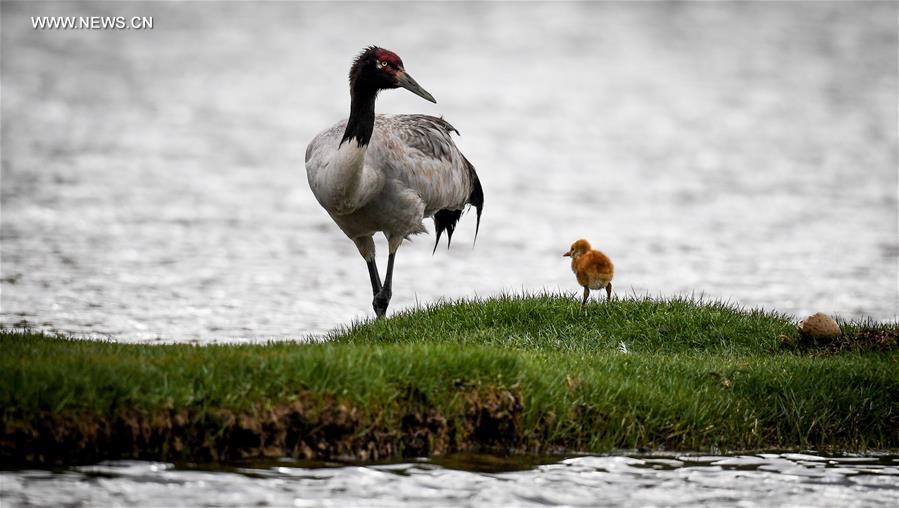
(510, 375)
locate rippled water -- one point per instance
(153, 187)
(767, 479)
(153, 184)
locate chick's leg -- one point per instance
(586, 295)
(609, 292)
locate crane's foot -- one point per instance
(381, 301)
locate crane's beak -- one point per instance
(404, 80)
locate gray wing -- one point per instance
(421, 153)
(429, 135)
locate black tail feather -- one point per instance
(446, 220)
(475, 199)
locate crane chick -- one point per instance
(592, 268)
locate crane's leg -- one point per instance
(609, 292)
(586, 295)
(366, 246)
(382, 299)
(373, 275)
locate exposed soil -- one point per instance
(869, 339)
(309, 428)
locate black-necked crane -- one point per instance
(386, 173)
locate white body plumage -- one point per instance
(409, 170)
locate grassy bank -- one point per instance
(528, 374)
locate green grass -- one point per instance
(531, 374)
(557, 323)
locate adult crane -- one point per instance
(386, 173)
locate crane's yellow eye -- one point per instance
(382, 64)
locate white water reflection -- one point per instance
(153, 182)
(751, 480)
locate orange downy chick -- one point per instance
(592, 268)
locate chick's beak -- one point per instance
(567, 254)
(404, 80)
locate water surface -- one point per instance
(764, 480)
(153, 182)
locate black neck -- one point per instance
(362, 115)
